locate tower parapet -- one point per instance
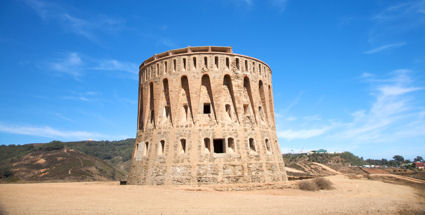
(205, 116)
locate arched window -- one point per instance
(174, 65)
(227, 62)
(207, 145)
(268, 147)
(146, 149)
(252, 145)
(161, 147)
(231, 145)
(184, 63)
(182, 146)
(216, 62)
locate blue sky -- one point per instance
(347, 75)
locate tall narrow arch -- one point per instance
(167, 104)
(271, 108)
(247, 87)
(151, 105)
(263, 99)
(141, 108)
(206, 83)
(185, 87)
(227, 82)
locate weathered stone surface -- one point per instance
(205, 117)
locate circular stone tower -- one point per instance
(205, 116)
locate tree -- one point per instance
(418, 159)
(398, 158)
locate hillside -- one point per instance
(313, 165)
(69, 161)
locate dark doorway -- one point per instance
(218, 146)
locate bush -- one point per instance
(316, 184)
(308, 185)
(323, 183)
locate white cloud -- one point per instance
(47, 131)
(76, 65)
(393, 115)
(86, 27)
(70, 64)
(389, 114)
(116, 65)
(385, 47)
(401, 10)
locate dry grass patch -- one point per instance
(316, 184)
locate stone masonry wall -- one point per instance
(205, 117)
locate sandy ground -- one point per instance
(351, 196)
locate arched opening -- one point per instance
(252, 145)
(227, 62)
(186, 100)
(231, 145)
(268, 147)
(174, 65)
(166, 101)
(206, 96)
(184, 63)
(263, 100)
(248, 100)
(182, 146)
(161, 147)
(146, 149)
(271, 108)
(246, 66)
(141, 109)
(151, 105)
(227, 82)
(207, 145)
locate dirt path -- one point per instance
(327, 168)
(405, 178)
(360, 196)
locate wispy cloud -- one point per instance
(75, 65)
(86, 27)
(397, 19)
(393, 115)
(401, 11)
(69, 64)
(115, 65)
(385, 48)
(46, 131)
(280, 5)
(389, 112)
(301, 134)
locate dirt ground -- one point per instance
(351, 196)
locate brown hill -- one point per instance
(62, 165)
(65, 161)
